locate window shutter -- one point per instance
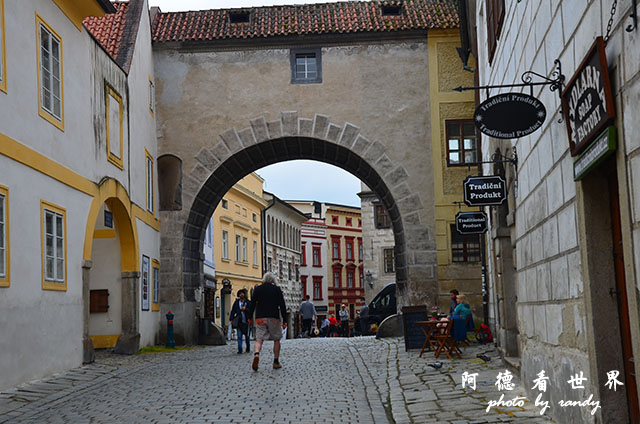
(98, 301)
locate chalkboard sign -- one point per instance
(413, 335)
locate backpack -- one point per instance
(483, 334)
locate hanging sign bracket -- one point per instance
(555, 83)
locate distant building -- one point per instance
(378, 244)
(313, 265)
(237, 244)
(282, 251)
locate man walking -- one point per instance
(268, 305)
(308, 311)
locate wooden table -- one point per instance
(427, 327)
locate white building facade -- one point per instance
(564, 255)
(79, 237)
(282, 227)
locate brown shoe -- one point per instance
(254, 364)
(277, 365)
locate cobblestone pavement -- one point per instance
(357, 380)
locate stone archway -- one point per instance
(219, 166)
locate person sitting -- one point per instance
(463, 309)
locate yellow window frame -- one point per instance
(110, 92)
(51, 285)
(3, 53)
(6, 280)
(155, 265)
(58, 123)
(150, 207)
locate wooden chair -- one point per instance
(445, 341)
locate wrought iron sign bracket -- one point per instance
(633, 16)
(555, 83)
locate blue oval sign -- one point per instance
(510, 115)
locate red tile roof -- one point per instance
(109, 29)
(327, 18)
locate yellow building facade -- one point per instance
(454, 144)
(237, 241)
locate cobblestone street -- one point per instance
(357, 380)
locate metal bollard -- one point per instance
(171, 342)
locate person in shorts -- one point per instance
(271, 318)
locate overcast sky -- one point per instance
(292, 180)
(311, 180)
(177, 5)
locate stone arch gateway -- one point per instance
(218, 166)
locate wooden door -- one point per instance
(621, 291)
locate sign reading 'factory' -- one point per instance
(587, 100)
(509, 115)
(484, 191)
(471, 222)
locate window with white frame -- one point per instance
(149, 173)
(50, 67)
(225, 244)
(388, 261)
(156, 284)
(54, 244)
(306, 66)
(237, 248)
(255, 252)
(244, 249)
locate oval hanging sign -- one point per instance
(510, 115)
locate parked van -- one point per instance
(382, 306)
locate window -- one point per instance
(303, 279)
(152, 97)
(225, 244)
(316, 256)
(54, 231)
(254, 217)
(382, 219)
(360, 250)
(50, 80)
(335, 247)
(349, 243)
(255, 253)
(303, 255)
(149, 169)
(225, 204)
(391, 10)
(306, 66)
(155, 304)
(349, 222)
(3, 64)
(317, 288)
(237, 209)
(237, 248)
(495, 17)
(280, 274)
(297, 272)
(114, 127)
(4, 232)
(461, 142)
(289, 270)
(208, 235)
(464, 247)
(244, 249)
(361, 279)
(239, 17)
(269, 266)
(244, 212)
(389, 262)
(350, 276)
(359, 222)
(334, 220)
(336, 278)
(144, 293)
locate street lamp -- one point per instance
(369, 278)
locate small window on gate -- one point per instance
(306, 66)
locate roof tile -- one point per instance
(342, 17)
(108, 30)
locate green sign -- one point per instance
(598, 151)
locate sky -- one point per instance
(292, 180)
(311, 180)
(178, 5)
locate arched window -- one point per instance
(170, 182)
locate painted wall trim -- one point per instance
(104, 233)
(77, 10)
(104, 341)
(6, 280)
